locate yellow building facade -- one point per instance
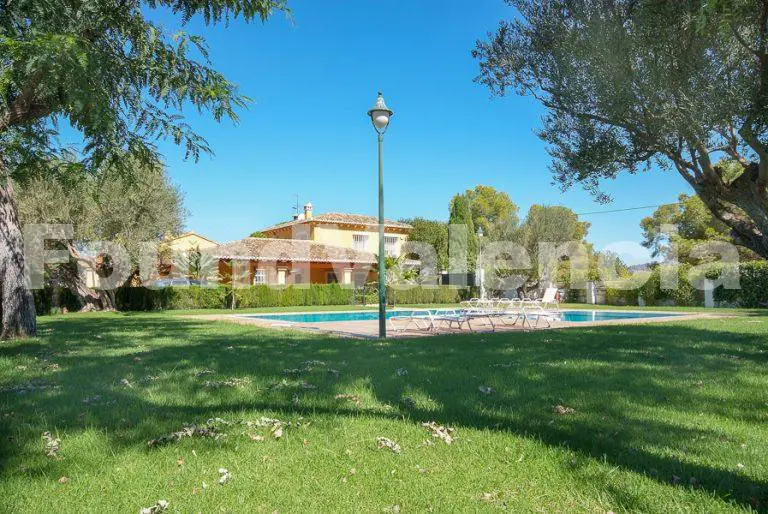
(331, 247)
(188, 241)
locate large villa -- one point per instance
(322, 249)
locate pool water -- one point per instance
(569, 316)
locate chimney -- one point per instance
(308, 211)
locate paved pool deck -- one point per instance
(369, 329)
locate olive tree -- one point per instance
(630, 83)
(131, 210)
(105, 69)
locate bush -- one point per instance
(290, 296)
(44, 301)
(754, 286)
(421, 295)
(621, 296)
(651, 292)
(684, 295)
(195, 297)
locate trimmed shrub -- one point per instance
(421, 295)
(291, 296)
(44, 301)
(621, 296)
(195, 297)
(754, 287)
(651, 292)
(684, 295)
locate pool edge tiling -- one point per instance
(368, 329)
(567, 315)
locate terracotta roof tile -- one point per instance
(296, 250)
(339, 217)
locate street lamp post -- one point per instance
(481, 271)
(380, 115)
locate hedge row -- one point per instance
(194, 297)
(753, 293)
(754, 287)
(652, 293)
(315, 294)
(421, 295)
(683, 295)
(44, 301)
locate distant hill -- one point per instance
(640, 267)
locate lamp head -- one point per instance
(380, 115)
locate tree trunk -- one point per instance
(17, 306)
(91, 300)
(108, 302)
(743, 206)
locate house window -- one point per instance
(259, 277)
(360, 242)
(330, 278)
(360, 278)
(390, 245)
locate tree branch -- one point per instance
(706, 164)
(744, 42)
(754, 143)
(24, 108)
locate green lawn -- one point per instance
(665, 417)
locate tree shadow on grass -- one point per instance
(633, 387)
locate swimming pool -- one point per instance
(568, 316)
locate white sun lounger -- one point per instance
(430, 320)
(549, 300)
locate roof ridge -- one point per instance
(290, 240)
(298, 250)
(191, 233)
(327, 217)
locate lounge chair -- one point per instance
(461, 317)
(537, 311)
(427, 320)
(549, 299)
(403, 323)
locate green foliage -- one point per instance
(492, 211)
(629, 83)
(754, 286)
(694, 224)
(434, 233)
(549, 224)
(106, 205)
(461, 214)
(684, 295)
(425, 295)
(44, 301)
(111, 73)
(315, 294)
(620, 297)
(196, 265)
(194, 297)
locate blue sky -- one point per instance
(313, 76)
